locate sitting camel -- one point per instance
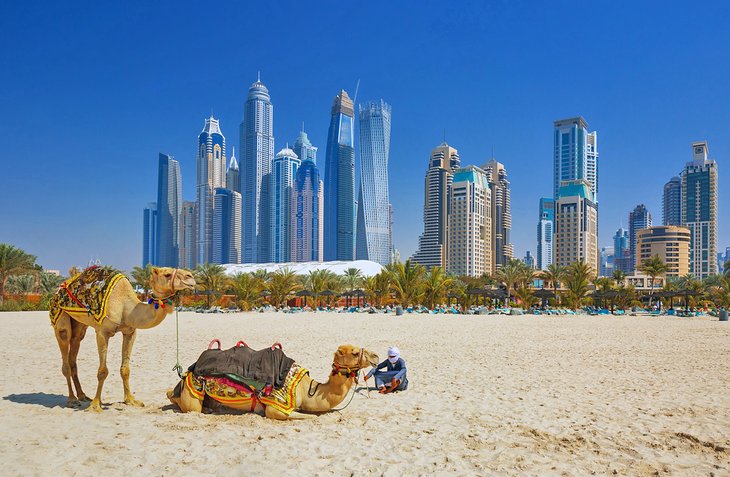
(300, 392)
(111, 306)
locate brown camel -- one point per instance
(310, 397)
(125, 314)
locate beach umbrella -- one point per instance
(329, 294)
(454, 295)
(475, 291)
(543, 295)
(305, 294)
(359, 294)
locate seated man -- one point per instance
(394, 378)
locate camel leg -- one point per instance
(127, 343)
(77, 335)
(273, 413)
(102, 344)
(62, 331)
(186, 402)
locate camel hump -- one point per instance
(88, 292)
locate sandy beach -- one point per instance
(489, 395)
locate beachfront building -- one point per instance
(501, 214)
(545, 227)
(469, 224)
(169, 204)
(304, 149)
(699, 210)
(226, 227)
(149, 234)
(672, 202)
(187, 235)
(257, 155)
(575, 154)
(211, 169)
(576, 225)
(432, 244)
(307, 214)
(670, 243)
(639, 219)
(373, 241)
(283, 173)
(233, 174)
(339, 182)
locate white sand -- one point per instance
(493, 395)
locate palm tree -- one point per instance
(13, 261)
(141, 278)
(524, 294)
(282, 284)
(435, 286)
(618, 276)
(406, 281)
(578, 278)
(353, 277)
(211, 278)
(513, 274)
(654, 267)
(48, 283)
(247, 289)
(554, 275)
(21, 284)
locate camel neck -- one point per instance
(325, 396)
(144, 316)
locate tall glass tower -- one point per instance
(672, 202)
(639, 219)
(149, 232)
(257, 155)
(373, 240)
(699, 210)
(285, 168)
(169, 206)
(575, 154)
(304, 149)
(211, 175)
(233, 174)
(339, 182)
(307, 234)
(226, 227)
(501, 214)
(545, 226)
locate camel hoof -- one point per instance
(84, 398)
(95, 406)
(73, 403)
(133, 402)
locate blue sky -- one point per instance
(91, 93)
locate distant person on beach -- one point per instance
(394, 377)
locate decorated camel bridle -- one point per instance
(349, 371)
(161, 302)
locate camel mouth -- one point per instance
(189, 283)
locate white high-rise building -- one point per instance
(211, 175)
(470, 227)
(575, 154)
(545, 227)
(576, 225)
(502, 251)
(284, 172)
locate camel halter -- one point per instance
(161, 302)
(350, 372)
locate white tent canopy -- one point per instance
(366, 267)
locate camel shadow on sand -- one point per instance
(41, 399)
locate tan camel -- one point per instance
(125, 314)
(310, 397)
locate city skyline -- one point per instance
(516, 125)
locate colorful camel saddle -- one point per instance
(229, 392)
(88, 292)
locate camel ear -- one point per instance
(155, 271)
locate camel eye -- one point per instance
(168, 275)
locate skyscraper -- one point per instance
(285, 168)
(501, 214)
(545, 227)
(188, 235)
(304, 149)
(607, 261)
(699, 210)
(672, 202)
(307, 235)
(226, 227)
(469, 223)
(575, 154)
(373, 240)
(432, 244)
(211, 175)
(576, 225)
(233, 175)
(149, 234)
(257, 155)
(339, 182)
(622, 252)
(639, 219)
(169, 204)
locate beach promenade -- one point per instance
(489, 395)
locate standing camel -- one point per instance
(116, 309)
(308, 396)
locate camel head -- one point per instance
(352, 357)
(167, 281)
